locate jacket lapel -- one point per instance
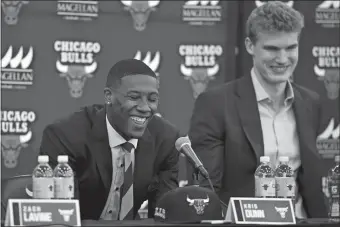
(249, 115)
(143, 155)
(144, 159)
(304, 124)
(98, 144)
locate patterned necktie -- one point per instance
(126, 209)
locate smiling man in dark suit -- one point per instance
(121, 153)
(262, 113)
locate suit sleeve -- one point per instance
(319, 116)
(167, 176)
(52, 145)
(207, 137)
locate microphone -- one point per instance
(183, 145)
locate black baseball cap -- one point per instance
(189, 204)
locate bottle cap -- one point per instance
(62, 158)
(43, 159)
(283, 159)
(264, 159)
(337, 158)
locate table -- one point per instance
(151, 222)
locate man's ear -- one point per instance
(249, 46)
(108, 95)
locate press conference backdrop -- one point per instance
(55, 56)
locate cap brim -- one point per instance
(176, 222)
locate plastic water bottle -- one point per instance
(285, 181)
(63, 179)
(264, 179)
(333, 188)
(42, 179)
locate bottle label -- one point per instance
(285, 186)
(64, 187)
(334, 210)
(43, 188)
(334, 189)
(265, 187)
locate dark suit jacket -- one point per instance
(226, 135)
(83, 137)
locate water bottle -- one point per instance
(42, 179)
(333, 188)
(63, 179)
(285, 180)
(264, 179)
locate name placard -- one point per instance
(33, 212)
(275, 211)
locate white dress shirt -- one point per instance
(279, 132)
(112, 206)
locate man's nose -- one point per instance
(143, 105)
(282, 57)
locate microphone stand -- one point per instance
(196, 175)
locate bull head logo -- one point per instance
(282, 211)
(199, 77)
(330, 78)
(290, 187)
(76, 76)
(199, 204)
(11, 10)
(140, 11)
(11, 146)
(265, 186)
(66, 214)
(259, 3)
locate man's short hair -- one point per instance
(127, 67)
(271, 17)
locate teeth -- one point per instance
(279, 69)
(140, 120)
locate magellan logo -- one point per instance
(16, 72)
(153, 63)
(327, 14)
(200, 65)
(76, 63)
(11, 10)
(15, 134)
(327, 68)
(202, 12)
(328, 141)
(77, 10)
(259, 3)
(140, 11)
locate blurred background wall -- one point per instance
(55, 56)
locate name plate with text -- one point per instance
(33, 212)
(276, 211)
